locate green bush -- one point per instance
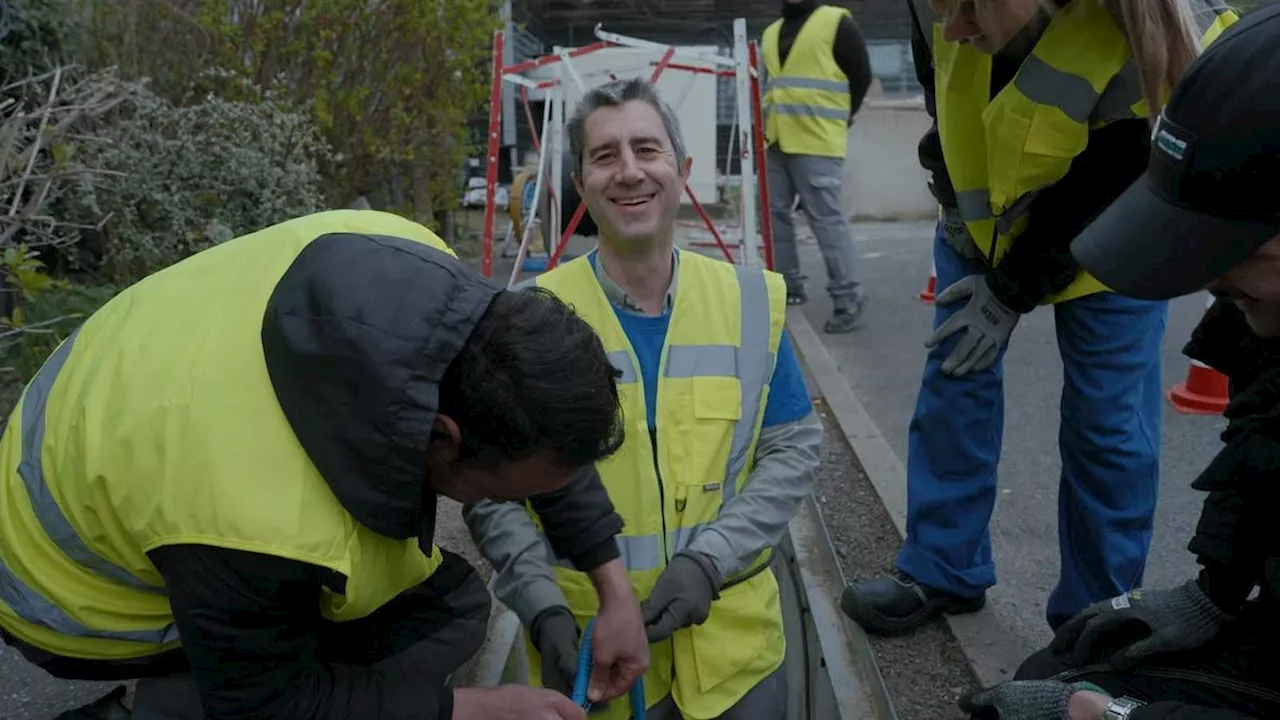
(185, 178)
(47, 318)
(38, 36)
(391, 84)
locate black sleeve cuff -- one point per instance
(1012, 294)
(1225, 588)
(446, 703)
(602, 553)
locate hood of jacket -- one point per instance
(357, 336)
(1250, 455)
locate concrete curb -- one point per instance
(992, 651)
(859, 690)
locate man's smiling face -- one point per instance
(630, 178)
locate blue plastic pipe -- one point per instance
(584, 674)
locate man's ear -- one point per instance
(577, 183)
(446, 439)
(688, 166)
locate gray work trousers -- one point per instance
(818, 182)
(765, 701)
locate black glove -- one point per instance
(555, 634)
(1021, 700)
(681, 597)
(1147, 622)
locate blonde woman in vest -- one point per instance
(1043, 111)
(818, 73)
(721, 438)
(1205, 216)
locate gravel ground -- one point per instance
(925, 672)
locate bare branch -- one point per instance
(44, 122)
(43, 326)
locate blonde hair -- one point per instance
(1164, 39)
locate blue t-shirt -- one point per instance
(788, 397)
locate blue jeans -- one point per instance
(1109, 441)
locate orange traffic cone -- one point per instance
(927, 294)
(1204, 392)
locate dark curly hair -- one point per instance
(533, 376)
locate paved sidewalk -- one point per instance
(882, 361)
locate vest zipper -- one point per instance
(662, 499)
(662, 495)
(1196, 676)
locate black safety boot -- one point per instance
(796, 294)
(844, 320)
(107, 707)
(898, 603)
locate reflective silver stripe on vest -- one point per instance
(755, 366)
(804, 83)
(1206, 13)
(637, 552)
(31, 468)
(686, 361)
(30, 606)
(812, 111)
(974, 205)
(1045, 84)
(621, 360)
(1121, 94)
(23, 600)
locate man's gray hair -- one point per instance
(615, 93)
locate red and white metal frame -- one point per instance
(743, 66)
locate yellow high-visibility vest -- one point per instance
(806, 104)
(155, 423)
(713, 384)
(1000, 152)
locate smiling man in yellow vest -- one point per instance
(227, 478)
(818, 73)
(721, 444)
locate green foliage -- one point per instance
(185, 178)
(391, 83)
(36, 328)
(38, 36)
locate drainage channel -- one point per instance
(831, 669)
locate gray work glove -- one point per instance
(1172, 620)
(681, 597)
(989, 323)
(1021, 700)
(555, 634)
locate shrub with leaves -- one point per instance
(186, 178)
(37, 36)
(391, 84)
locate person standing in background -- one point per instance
(818, 74)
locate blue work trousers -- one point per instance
(1109, 441)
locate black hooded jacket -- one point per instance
(356, 336)
(1236, 538)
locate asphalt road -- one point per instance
(883, 361)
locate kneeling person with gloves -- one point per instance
(224, 481)
(1206, 215)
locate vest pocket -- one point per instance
(742, 637)
(717, 398)
(702, 437)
